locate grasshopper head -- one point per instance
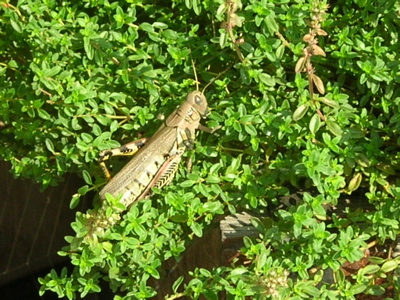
(199, 102)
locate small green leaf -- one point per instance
(74, 201)
(15, 22)
(300, 112)
(160, 25)
(280, 51)
(197, 6)
(12, 64)
(87, 177)
(315, 123)
(147, 27)
(43, 114)
(250, 129)
(187, 183)
(389, 266)
(267, 79)
(52, 72)
(362, 160)
(212, 206)
(213, 179)
(370, 269)
(170, 34)
(223, 39)
(358, 288)
(86, 137)
(329, 102)
(245, 75)
(49, 145)
(334, 127)
(354, 182)
(177, 283)
(311, 290)
(271, 24)
(197, 229)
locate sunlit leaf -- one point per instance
(318, 83)
(300, 65)
(300, 112)
(315, 123)
(354, 182)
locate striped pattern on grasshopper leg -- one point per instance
(155, 162)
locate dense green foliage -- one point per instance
(301, 112)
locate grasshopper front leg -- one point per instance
(125, 150)
(208, 129)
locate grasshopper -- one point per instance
(157, 158)
(155, 162)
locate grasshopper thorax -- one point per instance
(190, 111)
(199, 102)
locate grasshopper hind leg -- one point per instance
(125, 150)
(165, 174)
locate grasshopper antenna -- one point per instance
(215, 78)
(194, 71)
(212, 81)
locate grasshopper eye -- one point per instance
(198, 100)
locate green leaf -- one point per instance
(213, 179)
(300, 112)
(86, 137)
(16, 23)
(49, 145)
(370, 269)
(212, 207)
(146, 27)
(271, 24)
(280, 51)
(52, 72)
(44, 114)
(177, 283)
(160, 25)
(358, 288)
(12, 64)
(315, 123)
(74, 201)
(197, 229)
(87, 177)
(196, 6)
(223, 39)
(245, 75)
(88, 47)
(355, 182)
(187, 183)
(390, 265)
(334, 127)
(250, 129)
(170, 34)
(267, 79)
(311, 290)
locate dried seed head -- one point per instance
(235, 20)
(321, 32)
(240, 41)
(316, 50)
(318, 83)
(308, 38)
(300, 65)
(224, 25)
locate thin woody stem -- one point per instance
(230, 31)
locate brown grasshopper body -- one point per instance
(155, 164)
